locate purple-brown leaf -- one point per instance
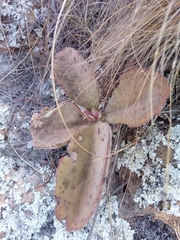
(138, 97)
(48, 130)
(73, 73)
(80, 178)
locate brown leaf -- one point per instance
(48, 130)
(72, 72)
(137, 98)
(80, 178)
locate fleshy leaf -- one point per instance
(80, 178)
(72, 72)
(134, 102)
(48, 130)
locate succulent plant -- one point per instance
(79, 178)
(76, 78)
(140, 95)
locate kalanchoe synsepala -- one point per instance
(139, 96)
(73, 73)
(51, 132)
(80, 177)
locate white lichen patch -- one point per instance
(4, 112)
(25, 203)
(30, 144)
(174, 136)
(134, 158)
(151, 191)
(144, 160)
(27, 208)
(15, 17)
(109, 225)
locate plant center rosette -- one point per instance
(140, 95)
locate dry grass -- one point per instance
(118, 35)
(113, 34)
